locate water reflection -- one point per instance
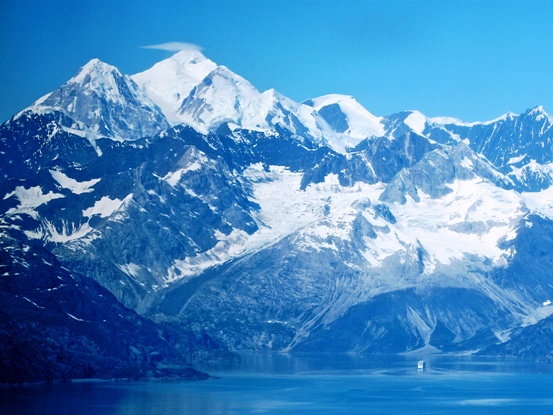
(285, 363)
(357, 364)
(273, 383)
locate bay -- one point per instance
(272, 383)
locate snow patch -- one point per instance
(229, 246)
(73, 185)
(105, 207)
(73, 317)
(416, 121)
(360, 122)
(192, 161)
(68, 231)
(515, 160)
(30, 199)
(540, 203)
(131, 269)
(33, 303)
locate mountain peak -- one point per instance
(169, 82)
(416, 120)
(229, 79)
(348, 118)
(107, 102)
(188, 56)
(96, 69)
(539, 113)
(537, 110)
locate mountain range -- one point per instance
(202, 217)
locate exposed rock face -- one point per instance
(59, 325)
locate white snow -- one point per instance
(68, 231)
(467, 163)
(361, 123)
(104, 207)
(33, 303)
(30, 199)
(471, 221)
(514, 160)
(285, 209)
(229, 246)
(540, 203)
(131, 269)
(227, 98)
(540, 114)
(230, 98)
(84, 97)
(170, 81)
(73, 185)
(73, 317)
(192, 160)
(416, 121)
(444, 121)
(537, 314)
(532, 168)
(96, 66)
(101, 78)
(60, 233)
(439, 224)
(434, 224)
(504, 117)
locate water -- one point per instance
(282, 384)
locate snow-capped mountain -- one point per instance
(271, 224)
(191, 89)
(170, 81)
(103, 102)
(350, 121)
(518, 145)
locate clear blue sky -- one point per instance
(473, 60)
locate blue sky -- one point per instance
(473, 60)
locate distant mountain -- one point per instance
(232, 218)
(170, 81)
(102, 102)
(193, 90)
(350, 121)
(519, 146)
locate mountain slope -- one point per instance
(58, 325)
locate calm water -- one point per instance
(281, 384)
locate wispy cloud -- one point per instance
(174, 46)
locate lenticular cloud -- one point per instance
(174, 46)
